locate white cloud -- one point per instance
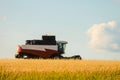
(3, 18)
(105, 36)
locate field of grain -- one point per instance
(39, 69)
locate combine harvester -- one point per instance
(46, 48)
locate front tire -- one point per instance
(19, 55)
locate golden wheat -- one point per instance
(39, 65)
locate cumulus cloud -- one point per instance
(105, 37)
(3, 18)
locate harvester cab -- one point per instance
(61, 46)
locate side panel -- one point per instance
(44, 51)
(40, 47)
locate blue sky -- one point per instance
(70, 20)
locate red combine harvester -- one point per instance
(46, 48)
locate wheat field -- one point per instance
(40, 69)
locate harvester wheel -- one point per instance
(18, 56)
(56, 56)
